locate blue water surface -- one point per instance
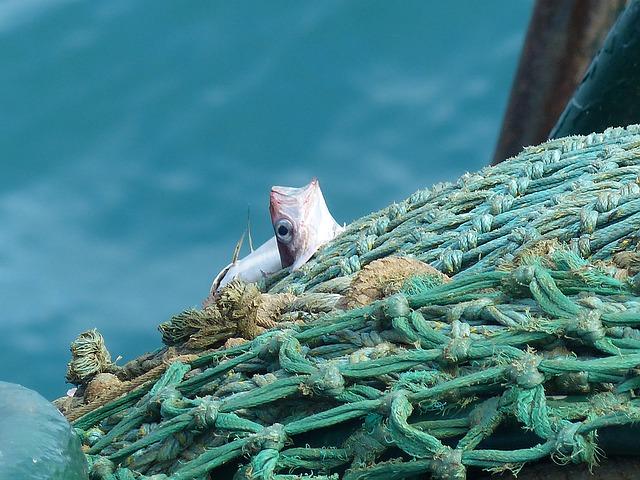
(134, 134)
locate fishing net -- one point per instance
(477, 325)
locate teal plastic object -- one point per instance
(36, 441)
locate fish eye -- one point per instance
(284, 230)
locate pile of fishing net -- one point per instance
(475, 326)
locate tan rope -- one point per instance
(127, 387)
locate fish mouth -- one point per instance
(292, 202)
(283, 197)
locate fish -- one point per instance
(301, 223)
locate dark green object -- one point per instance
(36, 441)
(609, 94)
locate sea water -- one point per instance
(135, 135)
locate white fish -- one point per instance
(301, 222)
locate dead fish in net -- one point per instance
(301, 222)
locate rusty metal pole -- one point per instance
(562, 39)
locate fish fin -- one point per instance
(215, 285)
(249, 229)
(236, 250)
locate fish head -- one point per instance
(301, 222)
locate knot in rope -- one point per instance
(535, 170)
(591, 139)
(379, 226)
(364, 244)
(349, 265)
(518, 186)
(581, 184)
(396, 210)
(607, 201)
(524, 371)
(272, 437)
(92, 436)
(327, 381)
(635, 283)
(396, 306)
(588, 220)
(447, 465)
(419, 197)
(521, 235)
(457, 349)
(551, 156)
(468, 240)
(389, 398)
(270, 348)
(102, 467)
(206, 414)
(610, 151)
(588, 327)
(432, 215)
(500, 203)
(523, 275)
(89, 356)
(451, 260)
(168, 393)
(581, 246)
(369, 441)
(628, 189)
(571, 446)
(483, 223)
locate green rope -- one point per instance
(536, 331)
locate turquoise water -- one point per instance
(133, 136)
